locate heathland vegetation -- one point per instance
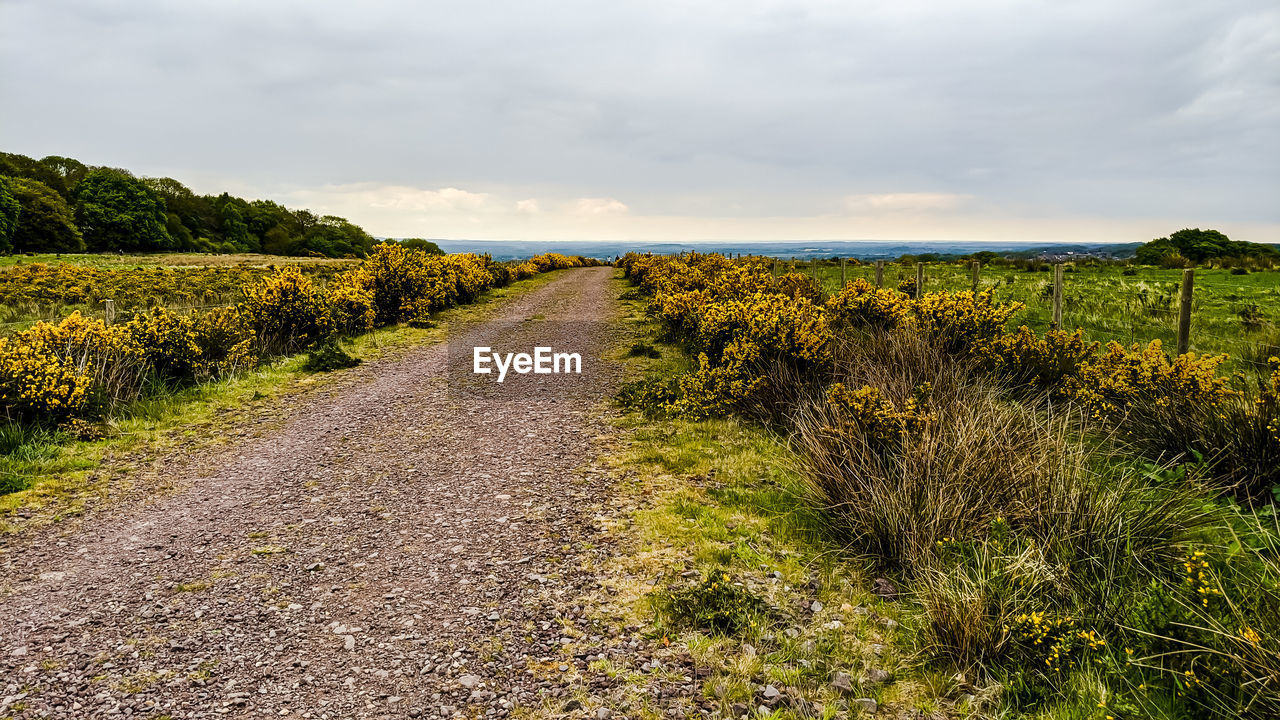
(67, 378)
(1235, 307)
(61, 205)
(1080, 529)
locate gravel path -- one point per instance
(403, 546)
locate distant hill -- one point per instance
(861, 249)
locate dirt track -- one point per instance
(394, 548)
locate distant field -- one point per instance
(50, 287)
(165, 260)
(1234, 314)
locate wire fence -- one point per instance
(1209, 312)
(105, 310)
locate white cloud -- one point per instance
(903, 202)
(597, 206)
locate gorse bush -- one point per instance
(1053, 502)
(287, 312)
(227, 343)
(81, 367)
(167, 341)
(860, 304)
(51, 287)
(1028, 362)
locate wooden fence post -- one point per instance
(1184, 311)
(842, 260)
(919, 280)
(977, 271)
(1057, 296)
(108, 311)
(879, 273)
(775, 267)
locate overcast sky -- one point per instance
(1111, 120)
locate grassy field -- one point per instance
(46, 474)
(1056, 560)
(720, 502)
(169, 260)
(50, 287)
(1234, 314)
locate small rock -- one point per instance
(884, 589)
(816, 606)
(876, 676)
(866, 705)
(841, 681)
(603, 713)
(572, 705)
(349, 642)
(469, 681)
(770, 692)
(739, 709)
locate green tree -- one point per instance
(9, 211)
(117, 211)
(425, 246)
(1198, 246)
(45, 223)
(62, 173)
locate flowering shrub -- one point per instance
(1269, 400)
(82, 366)
(868, 413)
(53, 370)
(1053, 644)
(34, 382)
(742, 339)
(1113, 382)
(287, 312)
(1024, 358)
(167, 341)
(717, 604)
(861, 304)
(351, 303)
(135, 288)
(226, 342)
(962, 319)
(796, 285)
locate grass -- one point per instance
(107, 260)
(1234, 314)
(722, 497)
(1049, 572)
(51, 475)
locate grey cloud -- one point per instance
(1095, 108)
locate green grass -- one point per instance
(1070, 601)
(116, 262)
(723, 496)
(47, 475)
(1109, 305)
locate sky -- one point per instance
(1060, 120)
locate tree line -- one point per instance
(1193, 246)
(60, 205)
